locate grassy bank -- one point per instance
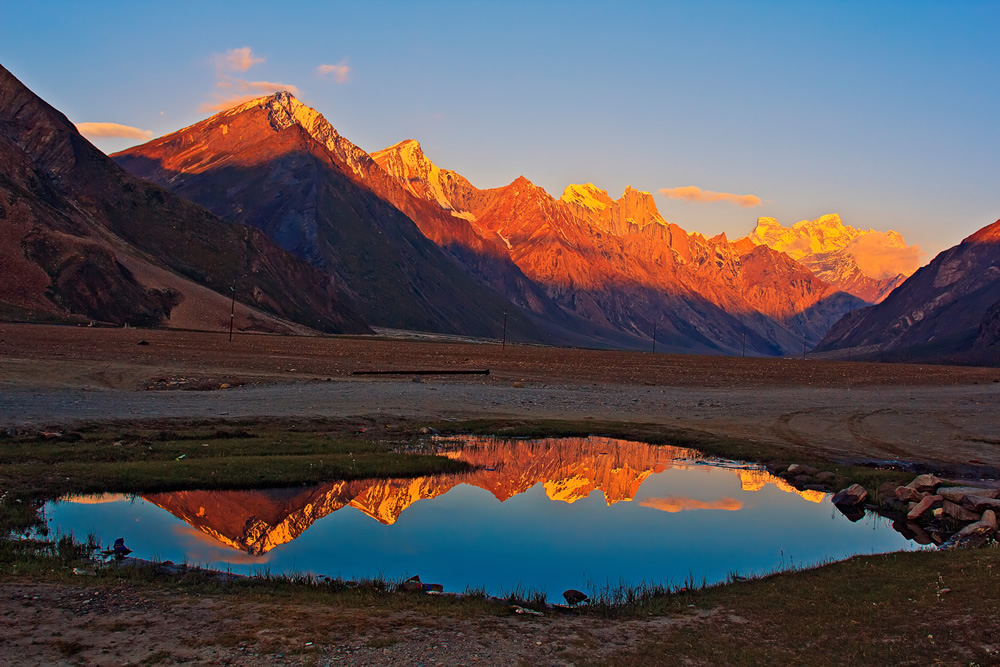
(903, 608)
(892, 609)
(41, 466)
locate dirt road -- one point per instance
(59, 375)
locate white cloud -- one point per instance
(237, 60)
(102, 130)
(695, 194)
(340, 71)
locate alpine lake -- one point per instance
(534, 516)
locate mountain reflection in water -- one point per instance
(568, 468)
(544, 514)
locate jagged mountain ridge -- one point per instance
(618, 262)
(610, 271)
(279, 166)
(80, 237)
(570, 469)
(828, 248)
(946, 311)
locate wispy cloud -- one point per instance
(102, 130)
(696, 194)
(237, 60)
(675, 504)
(340, 71)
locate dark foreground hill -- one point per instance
(80, 237)
(947, 311)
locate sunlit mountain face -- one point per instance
(866, 263)
(569, 469)
(584, 267)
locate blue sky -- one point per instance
(883, 112)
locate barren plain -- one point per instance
(940, 417)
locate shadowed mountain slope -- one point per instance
(79, 236)
(946, 311)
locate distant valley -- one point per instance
(318, 235)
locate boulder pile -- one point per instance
(928, 512)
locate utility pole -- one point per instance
(232, 314)
(503, 342)
(654, 337)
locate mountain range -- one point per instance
(316, 234)
(403, 233)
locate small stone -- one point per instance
(925, 483)
(826, 476)
(958, 512)
(921, 508)
(853, 495)
(908, 494)
(974, 534)
(979, 504)
(802, 479)
(799, 469)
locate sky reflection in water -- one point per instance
(574, 512)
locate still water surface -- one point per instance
(545, 515)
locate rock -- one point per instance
(826, 476)
(853, 495)
(937, 512)
(926, 503)
(908, 494)
(974, 534)
(815, 487)
(925, 483)
(979, 504)
(799, 469)
(574, 597)
(958, 512)
(412, 585)
(802, 479)
(957, 494)
(143, 342)
(885, 489)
